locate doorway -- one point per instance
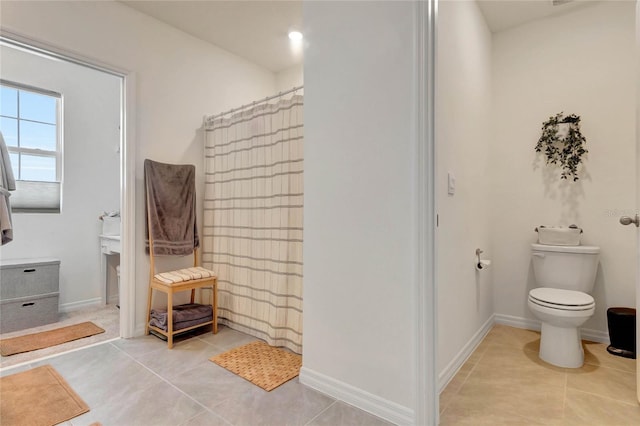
(96, 166)
(493, 189)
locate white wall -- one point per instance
(582, 63)
(288, 78)
(359, 202)
(178, 80)
(465, 297)
(91, 173)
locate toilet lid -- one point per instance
(561, 299)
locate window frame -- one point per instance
(57, 154)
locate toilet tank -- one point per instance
(565, 267)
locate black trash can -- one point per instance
(622, 332)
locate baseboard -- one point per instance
(517, 322)
(82, 304)
(452, 368)
(114, 299)
(388, 410)
(139, 330)
(595, 335)
(531, 324)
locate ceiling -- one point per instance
(504, 14)
(257, 29)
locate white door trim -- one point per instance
(127, 163)
(426, 404)
(128, 209)
(637, 204)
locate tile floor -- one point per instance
(505, 383)
(140, 382)
(107, 317)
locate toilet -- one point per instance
(564, 276)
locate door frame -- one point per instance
(637, 201)
(127, 163)
(426, 391)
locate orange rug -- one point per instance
(45, 339)
(263, 365)
(38, 397)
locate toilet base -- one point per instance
(561, 346)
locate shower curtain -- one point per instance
(253, 219)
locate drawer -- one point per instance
(110, 245)
(27, 312)
(28, 280)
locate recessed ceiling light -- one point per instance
(295, 36)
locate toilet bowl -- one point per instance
(565, 276)
(561, 313)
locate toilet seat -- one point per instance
(566, 300)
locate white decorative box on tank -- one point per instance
(559, 235)
(110, 225)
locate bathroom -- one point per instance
(238, 81)
(68, 230)
(491, 169)
(507, 67)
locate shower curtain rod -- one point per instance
(268, 98)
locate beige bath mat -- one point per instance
(38, 397)
(45, 339)
(261, 364)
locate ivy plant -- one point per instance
(565, 151)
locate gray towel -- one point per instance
(184, 316)
(7, 183)
(171, 194)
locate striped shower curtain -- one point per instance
(253, 219)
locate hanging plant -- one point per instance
(564, 149)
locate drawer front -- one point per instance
(28, 312)
(28, 280)
(109, 246)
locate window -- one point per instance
(29, 121)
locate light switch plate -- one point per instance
(451, 183)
